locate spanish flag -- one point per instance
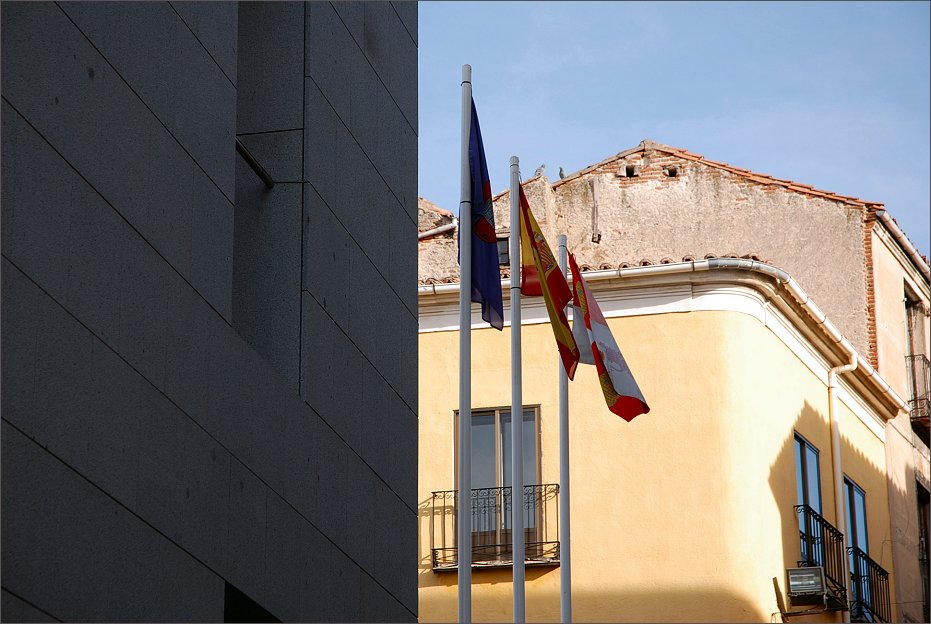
(537, 260)
(622, 394)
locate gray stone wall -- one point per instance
(703, 210)
(206, 381)
(611, 220)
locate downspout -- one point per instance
(839, 511)
(438, 230)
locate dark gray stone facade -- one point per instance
(209, 386)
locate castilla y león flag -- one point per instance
(617, 382)
(540, 276)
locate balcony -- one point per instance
(492, 544)
(869, 589)
(918, 406)
(823, 545)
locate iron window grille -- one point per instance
(920, 382)
(869, 589)
(492, 544)
(822, 544)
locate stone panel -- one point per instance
(395, 544)
(331, 371)
(19, 327)
(329, 48)
(15, 609)
(73, 98)
(247, 517)
(388, 46)
(215, 26)
(267, 271)
(331, 585)
(120, 570)
(146, 42)
(379, 325)
(280, 153)
(407, 10)
(400, 270)
(212, 225)
(379, 127)
(143, 310)
(186, 342)
(326, 258)
(271, 62)
(321, 131)
(287, 561)
(59, 231)
(388, 435)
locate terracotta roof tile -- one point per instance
(605, 266)
(761, 178)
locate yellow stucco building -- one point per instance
(690, 512)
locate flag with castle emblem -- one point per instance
(620, 389)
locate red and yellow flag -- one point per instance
(622, 394)
(537, 260)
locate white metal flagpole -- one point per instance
(464, 498)
(517, 408)
(565, 561)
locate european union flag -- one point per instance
(486, 280)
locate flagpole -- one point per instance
(464, 499)
(517, 408)
(565, 560)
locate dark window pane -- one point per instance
(859, 513)
(483, 451)
(813, 477)
(528, 449)
(799, 473)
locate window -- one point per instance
(858, 549)
(855, 502)
(808, 494)
(491, 448)
(807, 474)
(492, 479)
(504, 252)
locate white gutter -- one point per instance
(781, 277)
(906, 244)
(438, 230)
(839, 511)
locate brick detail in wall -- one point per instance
(869, 221)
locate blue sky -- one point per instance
(832, 94)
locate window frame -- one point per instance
(851, 488)
(504, 253)
(499, 455)
(802, 457)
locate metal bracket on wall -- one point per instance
(252, 162)
(595, 186)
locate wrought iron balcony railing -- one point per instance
(919, 405)
(492, 543)
(869, 589)
(823, 545)
(919, 377)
